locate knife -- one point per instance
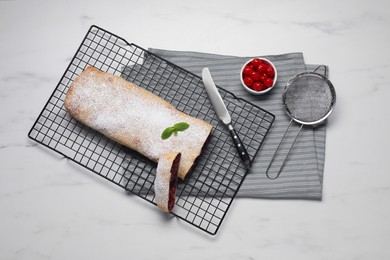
(224, 115)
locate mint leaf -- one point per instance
(167, 133)
(181, 126)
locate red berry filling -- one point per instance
(173, 182)
(258, 75)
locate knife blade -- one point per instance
(223, 115)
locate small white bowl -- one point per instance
(252, 91)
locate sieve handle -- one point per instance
(288, 154)
(325, 70)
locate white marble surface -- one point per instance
(51, 209)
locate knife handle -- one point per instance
(240, 147)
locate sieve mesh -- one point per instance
(308, 98)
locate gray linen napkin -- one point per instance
(302, 175)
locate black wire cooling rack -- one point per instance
(204, 198)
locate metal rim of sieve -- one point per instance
(328, 84)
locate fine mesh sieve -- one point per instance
(308, 98)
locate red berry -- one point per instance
(247, 70)
(258, 86)
(263, 77)
(270, 71)
(255, 76)
(261, 68)
(256, 62)
(248, 81)
(268, 82)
